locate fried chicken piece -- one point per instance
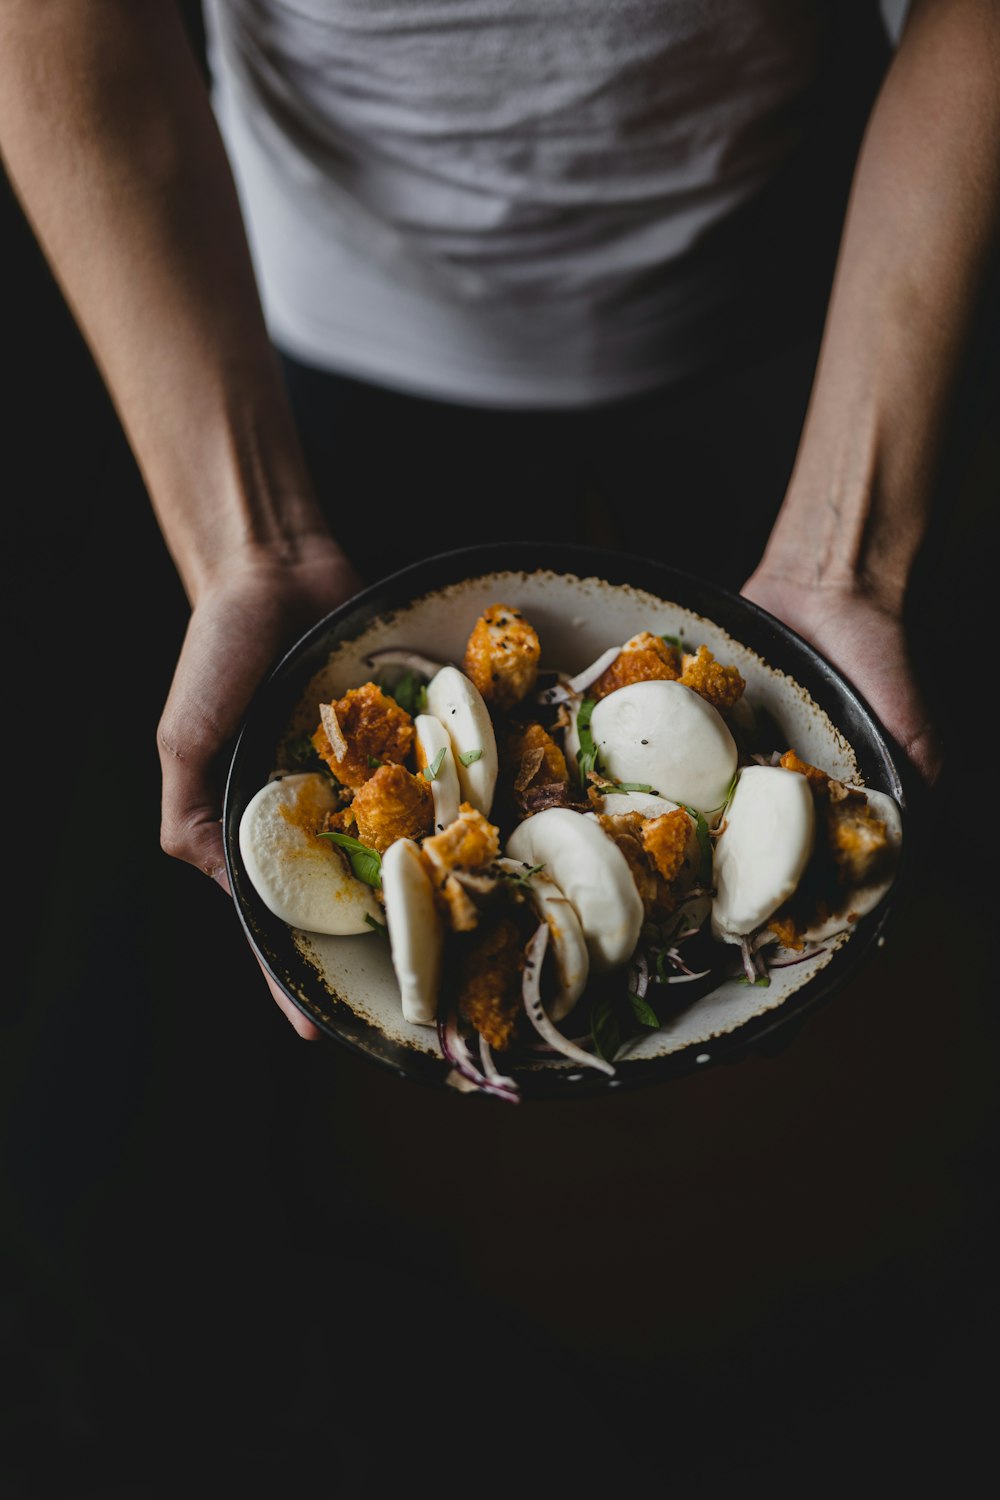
(393, 804)
(501, 656)
(375, 730)
(469, 843)
(626, 831)
(489, 982)
(534, 757)
(667, 841)
(645, 658)
(787, 931)
(818, 780)
(859, 839)
(721, 686)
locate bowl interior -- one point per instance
(580, 600)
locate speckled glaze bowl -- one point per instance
(580, 600)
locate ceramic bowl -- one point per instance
(580, 600)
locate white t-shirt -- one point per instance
(527, 202)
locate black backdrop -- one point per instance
(231, 1258)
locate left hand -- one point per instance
(867, 643)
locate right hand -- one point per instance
(241, 622)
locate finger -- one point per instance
(190, 813)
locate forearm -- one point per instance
(920, 231)
(111, 144)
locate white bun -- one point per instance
(445, 789)
(455, 700)
(760, 855)
(416, 933)
(592, 872)
(664, 735)
(303, 879)
(569, 945)
(644, 803)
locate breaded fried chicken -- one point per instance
(392, 804)
(667, 841)
(469, 843)
(721, 686)
(374, 729)
(644, 658)
(489, 981)
(501, 656)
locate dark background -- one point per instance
(232, 1258)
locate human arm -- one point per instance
(919, 238)
(110, 142)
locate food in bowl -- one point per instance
(551, 854)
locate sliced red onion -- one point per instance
(687, 976)
(556, 692)
(677, 961)
(789, 963)
(749, 967)
(590, 674)
(455, 1051)
(490, 1068)
(394, 656)
(531, 993)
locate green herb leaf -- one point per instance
(605, 1028)
(586, 756)
(644, 1012)
(376, 925)
(431, 770)
(408, 689)
(365, 862)
(628, 786)
(469, 757)
(672, 640)
(761, 982)
(704, 844)
(729, 794)
(373, 760)
(302, 752)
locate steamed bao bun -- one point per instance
(454, 699)
(593, 875)
(305, 880)
(772, 832)
(664, 735)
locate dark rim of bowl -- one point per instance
(880, 763)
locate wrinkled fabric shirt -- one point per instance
(520, 202)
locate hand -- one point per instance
(866, 641)
(240, 624)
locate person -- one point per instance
(458, 227)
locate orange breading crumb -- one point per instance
(342, 821)
(469, 843)
(645, 658)
(666, 840)
(501, 656)
(787, 931)
(532, 755)
(375, 728)
(489, 982)
(626, 831)
(818, 780)
(721, 686)
(393, 804)
(858, 837)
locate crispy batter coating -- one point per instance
(501, 656)
(469, 843)
(376, 729)
(533, 758)
(788, 932)
(667, 840)
(818, 780)
(489, 982)
(393, 804)
(626, 830)
(721, 686)
(859, 839)
(645, 658)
